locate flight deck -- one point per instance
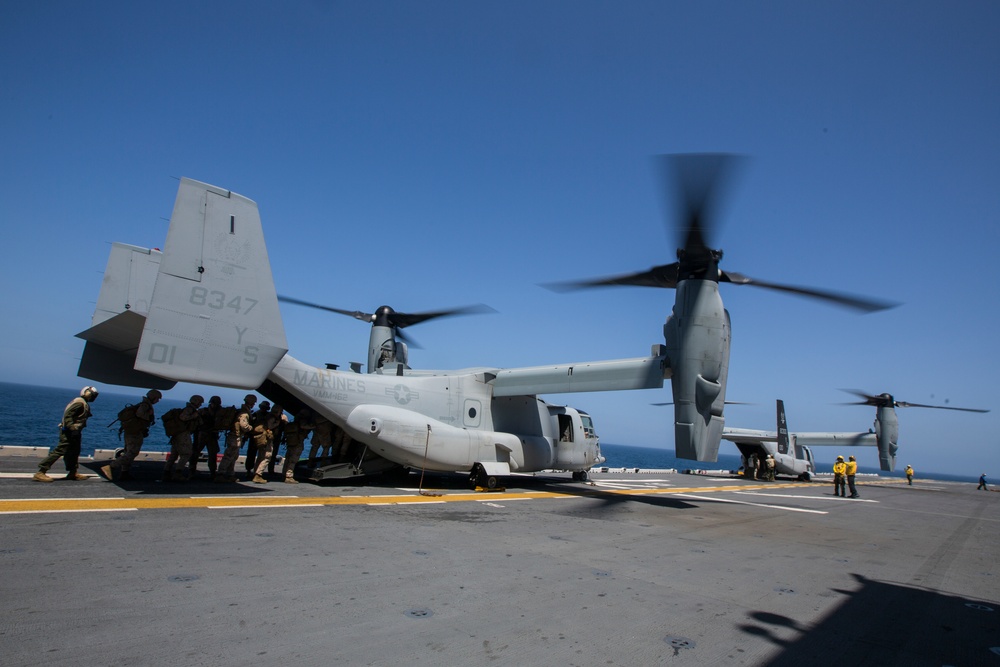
(625, 569)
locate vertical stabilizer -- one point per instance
(113, 339)
(782, 429)
(214, 316)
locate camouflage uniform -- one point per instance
(265, 430)
(206, 436)
(234, 439)
(134, 434)
(295, 438)
(74, 420)
(180, 444)
(322, 437)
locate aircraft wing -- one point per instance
(748, 436)
(836, 439)
(616, 375)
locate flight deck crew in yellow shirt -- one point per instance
(909, 475)
(839, 470)
(852, 470)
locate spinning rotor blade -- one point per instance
(356, 314)
(885, 400)
(658, 276)
(401, 320)
(846, 300)
(904, 404)
(386, 316)
(698, 183)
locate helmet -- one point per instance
(196, 400)
(250, 398)
(850, 458)
(88, 393)
(154, 394)
(215, 400)
(840, 458)
(265, 406)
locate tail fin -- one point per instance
(782, 429)
(213, 317)
(113, 340)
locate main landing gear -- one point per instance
(480, 479)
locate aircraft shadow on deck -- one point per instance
(883, 623)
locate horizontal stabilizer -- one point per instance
(121, 332)
(214, 316)
(103, 364)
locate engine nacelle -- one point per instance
(887, 436)
(697, 337)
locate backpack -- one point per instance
(127, 414)
(224, 419)
(172, 424)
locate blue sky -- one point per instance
(436, 154)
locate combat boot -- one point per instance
(291, 480)
(257, 479)
(75, 476)
(40, 476)
(108, 472)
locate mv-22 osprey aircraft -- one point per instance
(205, 311)
(791, 451)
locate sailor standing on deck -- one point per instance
(852, 470)
(909, 475)
(134, 429)
(74, 420)
(982, 483)
(839, 472)
(239, 429)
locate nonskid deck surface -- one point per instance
(628, 569)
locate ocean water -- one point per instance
(30, 416)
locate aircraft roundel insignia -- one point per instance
(402, 394)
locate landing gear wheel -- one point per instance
(480, 478)
(581, 476)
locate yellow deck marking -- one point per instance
(27, 505)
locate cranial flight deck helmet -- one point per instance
(88, 393)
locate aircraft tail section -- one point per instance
(213, 317)
(782, 428)
(113, 340)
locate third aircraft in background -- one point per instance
(791, 451)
